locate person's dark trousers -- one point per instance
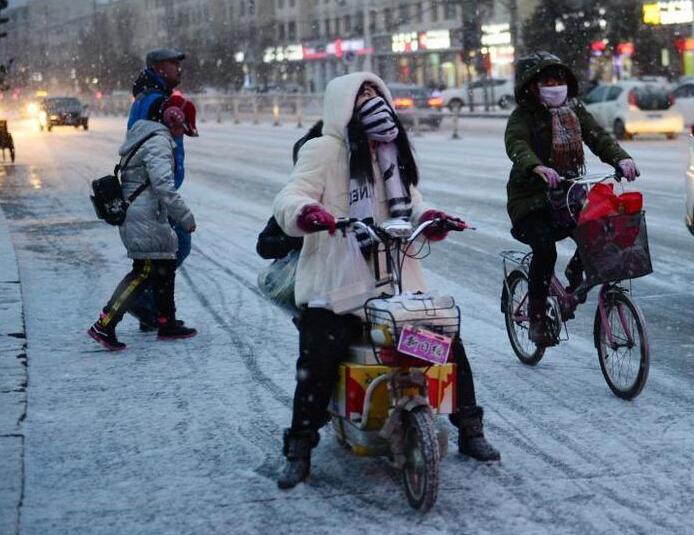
(143, 306)
(184, 244)
(465, 393)
(537, 230)
(323, 341)
(159, 275)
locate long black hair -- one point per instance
(360, 155)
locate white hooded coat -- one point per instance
(322, 175)
(146, 232)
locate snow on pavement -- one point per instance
(186, 436)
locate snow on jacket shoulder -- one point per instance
(146, 232)
(322, 175)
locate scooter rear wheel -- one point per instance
(421, 470)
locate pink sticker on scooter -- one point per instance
(424, 344)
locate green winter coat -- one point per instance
(529, 137)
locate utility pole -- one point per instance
(472, 36)
(3, 68)
(368, 60)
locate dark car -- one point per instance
(62, 111)
(411, 100)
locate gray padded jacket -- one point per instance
(146, 232)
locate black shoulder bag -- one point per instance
(108, 200)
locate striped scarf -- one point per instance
(378, 120)
(567, 142)
(361, 203)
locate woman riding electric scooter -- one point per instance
(362, 166)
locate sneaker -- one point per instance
(106, 337)
(172, 330)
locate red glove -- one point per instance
(314, 214)
(435, 232)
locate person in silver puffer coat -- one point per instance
(146, 233)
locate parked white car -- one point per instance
(499, 92)
(684, 101)
(635, 107)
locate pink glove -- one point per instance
(628, 169)
(435, 232)
(313, 215)
(550, 175)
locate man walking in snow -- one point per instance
(152, 88)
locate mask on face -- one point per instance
(553, 96)
(378, 121)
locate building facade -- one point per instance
(296, 44)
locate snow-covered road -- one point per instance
(185, 437)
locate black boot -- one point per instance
(537, 332)
(106, 336)
(574, 274)
(171, 329)
(297, 450)
(147, 327)
(471, 441)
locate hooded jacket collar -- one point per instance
(150, 80)
(527, 70)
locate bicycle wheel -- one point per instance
(624, 360)
(421, 471)
(518, 328)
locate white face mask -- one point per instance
(553, 96)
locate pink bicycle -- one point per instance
(619, 329)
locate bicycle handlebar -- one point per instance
(344, 223)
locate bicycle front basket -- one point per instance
(614, 248)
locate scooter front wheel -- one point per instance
(421, 470)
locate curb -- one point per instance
(13, 384)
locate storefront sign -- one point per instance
(625, 49)
(283, 53)
(339, 48)
(419, 41)
(671, 12)
(496, 34)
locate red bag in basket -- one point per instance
(601, 203)
(630, 202)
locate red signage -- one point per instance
(626, 49)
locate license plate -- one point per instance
(654, 116)
(424, 344)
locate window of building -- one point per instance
(359, 23)
(327, 28)
(291, 30)
(337, 27)
(450, 10)
(281, 32)
(434, 11)
(418, 12)
(404, 13)
(387, 18)
(347, 24)
(373, 21)
(280, 4)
